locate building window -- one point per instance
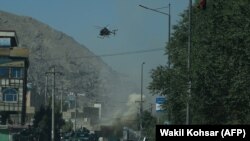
(16, 72)
(5, 42)
(9, 94)
(4, 72)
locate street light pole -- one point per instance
(169, 35)
(189, 51)
(169, 23)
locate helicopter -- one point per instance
(105, 32)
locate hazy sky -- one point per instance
(139, 29)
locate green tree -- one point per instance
(220, 65)
(149, 122)
(42, 123)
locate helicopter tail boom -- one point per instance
(114, 31)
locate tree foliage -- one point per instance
(148, 123)
(42, 123)
(220, 66)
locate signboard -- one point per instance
(159, 104)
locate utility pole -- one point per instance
(141, 107)
(189, 63)
(53, 105)
(75, 109)
(46, 88)
(53, 72)
(151, 108)
(61, 106)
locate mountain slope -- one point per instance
(83, 72)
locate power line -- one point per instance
(132, 52)
(114, 54)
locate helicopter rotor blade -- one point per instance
(98, 27)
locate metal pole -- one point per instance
(61, 100)
(169, 30)
(52, 100)
(46, 85)
(53, 106)
(169, 22)
(189, 64)
(141, 110)
(75, 109)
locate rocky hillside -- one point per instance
(82, 71)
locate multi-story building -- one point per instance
(14, 64)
